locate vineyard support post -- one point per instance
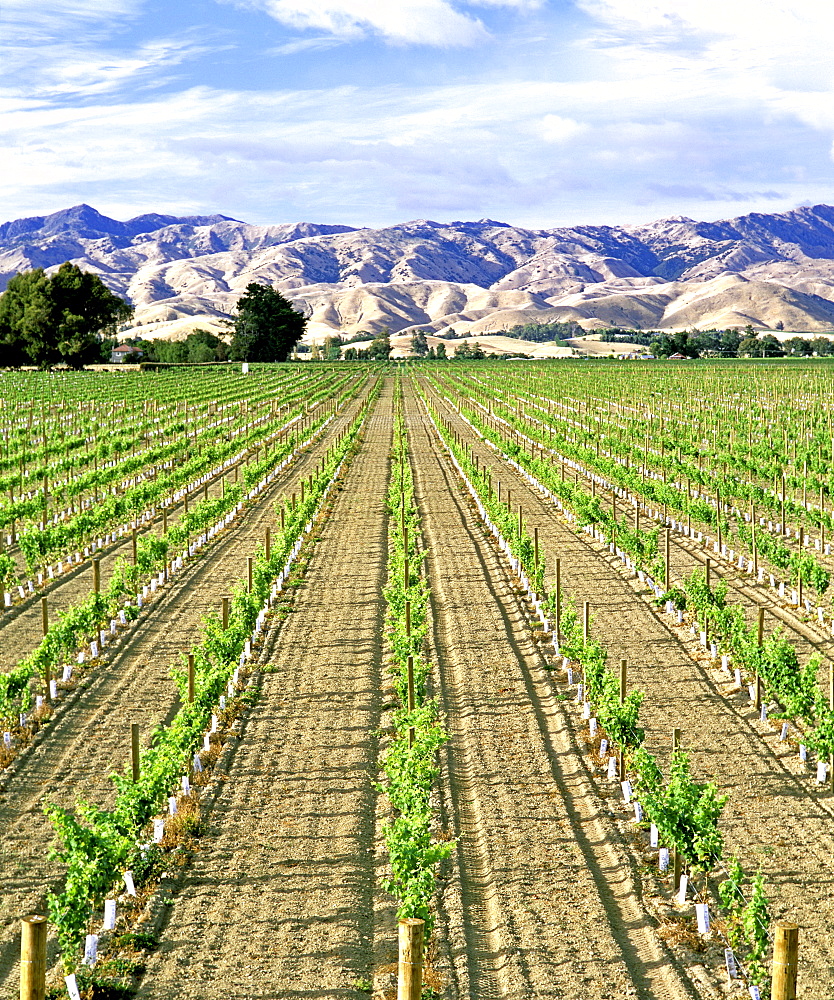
(831, 706)
(799, 569)
(785, 961)
(410, 970)
(134, 750)
(406, 567)
(753, 542)
(677, 861)
(191, 678)
(133, 544)
(249, 569)
(224, 609)
(520, 523)
(536, 548)
(44, 616)
(164, 520)
(668, 576)
(718, 520)
(558, 623)
(708, 572)
(759, 643)
(268, 544)
(33, 958)
(96, 576)
(623, 684)
(586, 620)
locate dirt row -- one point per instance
(91, 739)
(775, 820)
(280, 899)
(541, 900)
(20, 627)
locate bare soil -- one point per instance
(776, 819)
(541, 900)
(280, 899)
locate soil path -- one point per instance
(280, 899)
(547, 904)
(92, 739)
(775, 819)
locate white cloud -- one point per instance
(399, 22)
(32, 22)
(555, 128)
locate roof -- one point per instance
(126, 349)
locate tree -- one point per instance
(380, 347)
(61, 319)
(266, 325)
(419, 344)
(440, 352)
(333, 349)
(798, 346)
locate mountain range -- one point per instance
(476, 277)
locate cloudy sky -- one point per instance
(371, 112)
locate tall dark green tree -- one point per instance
(58, 320)
(266, 325)
(419, 343)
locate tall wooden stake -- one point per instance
(410, 968)
(677, 866)
(760, 643)
(33, 958)
(134, 749)
(668, 574)
(249, 569)
(411, 702)
(785, 961)
(97, 576)
(191, 678)
(558, 584)
(224, 612)
(586, 620)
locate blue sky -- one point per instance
(370, 112)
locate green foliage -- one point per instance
(685, 812)
(410, 770)
(58, 320)
(267, 326)
(748, 920)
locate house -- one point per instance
(124, 352)
(677, 357)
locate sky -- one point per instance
(539, 113)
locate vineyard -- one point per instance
(458, 680)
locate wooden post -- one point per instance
(785, 961)
(623, 683)
(718, 520)
(33, 958)
(636, 515)
(133, 544)
(224, 609)
(406, 566)
(759, 643)
(268, 544)
(283, 520)
(164, 520)
(191, 678)
(520, 525)
(586, 620)
(753, 541)
(410, 971)
(205, 491)
(185, 502)
(558, 582)
(44, 616)
(134, 749)
(831, 706)
(408, 619)
(536, 547)
(799, 585)
(708, 571)
(668, 573)
(249, 565)
(97, 575)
